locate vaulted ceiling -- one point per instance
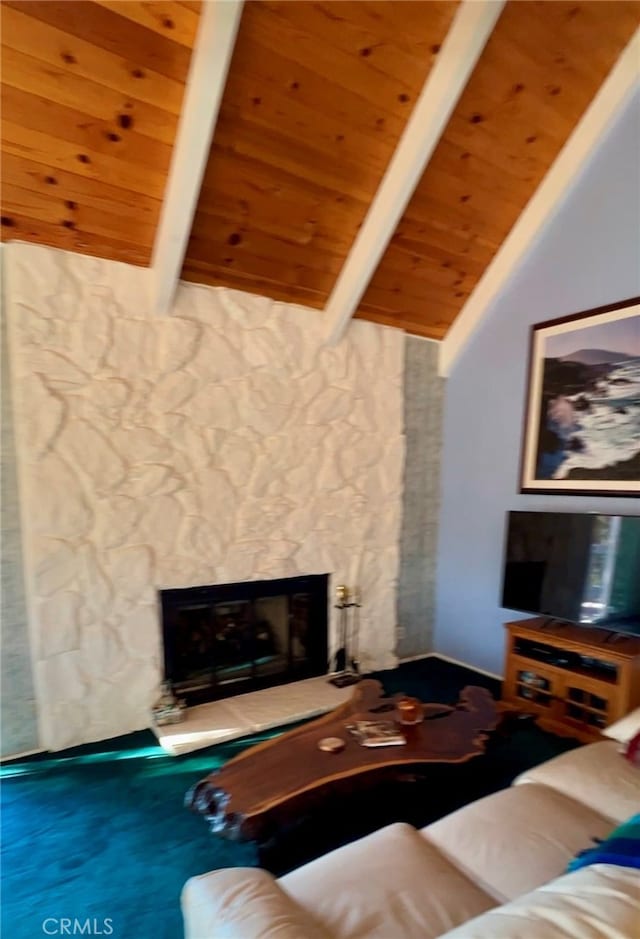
(316, 100)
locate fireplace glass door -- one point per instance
(227, 639)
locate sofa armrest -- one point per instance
(244, 903)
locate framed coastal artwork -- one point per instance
(582, 429)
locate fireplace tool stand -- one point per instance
(346, 666)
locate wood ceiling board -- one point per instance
(405, 290)
(69, 213)
(455, 245)
(100, 167)
(326, 36)
(304, 104)
(55, 48)
(61, 85)
(172, 20)
(443, 279)
(247, 177)
(276, 220)
(465, 214)
(199, 273)
(433, 323)
(453, 151)
(458, 187)
(33, 112)
(295, 85)
(107, 30)
(38, 178)
(362, 143)
(591, 28)
(533, 83)
(262, 251)
(278, 210)
(311, 163)
(399, 320)
(23, 228)
(91, 101)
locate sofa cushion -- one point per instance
(513, 841)
(596, 775)
(390, 884)
(243, 903)
(601, 902)
(621, 847)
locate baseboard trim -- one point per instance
(20, 756)
(474, 668)
(415, 658)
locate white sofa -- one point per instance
(491, 870)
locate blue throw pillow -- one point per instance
(622, 847)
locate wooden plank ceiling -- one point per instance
(91, 94)
(317, 97)
(315, 102)
(540, 70)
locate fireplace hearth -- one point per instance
(228, 639)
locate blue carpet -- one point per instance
(106, 836)
(100, 832)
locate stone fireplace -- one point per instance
(229, 639)
(224, 443)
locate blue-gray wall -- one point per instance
(589, 256)
(18, 728)
(421, 494)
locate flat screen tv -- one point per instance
(579, 568)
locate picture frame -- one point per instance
(581, 431)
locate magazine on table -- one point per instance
(376, 733)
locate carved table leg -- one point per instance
(207, 799)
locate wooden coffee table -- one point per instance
(286, 776)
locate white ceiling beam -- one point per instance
(548, 199)
(210, 60)
(463, 46)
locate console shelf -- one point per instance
(576, 680)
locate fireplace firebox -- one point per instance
(228, 639)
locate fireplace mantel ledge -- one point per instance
(241, 715)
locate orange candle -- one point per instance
(409, 710)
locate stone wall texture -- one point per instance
(225, 442)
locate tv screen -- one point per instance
(575, 567)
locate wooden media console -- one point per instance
(577, 680)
